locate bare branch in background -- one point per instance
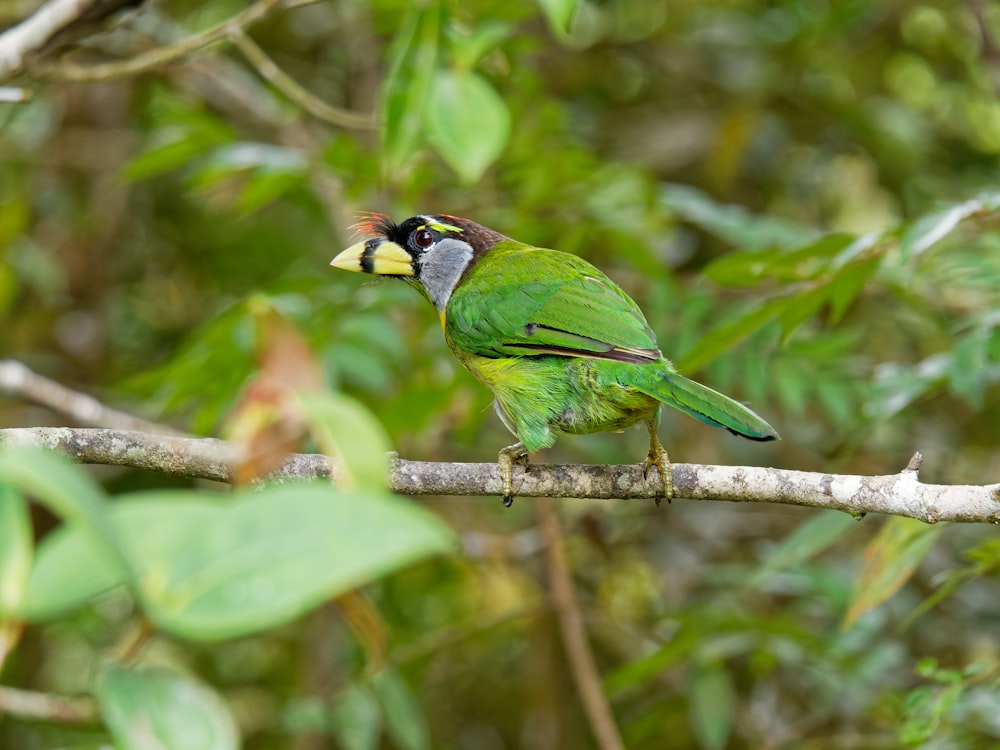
(286, 85)
(55, 22)
(901, 494)
(574, 635)
(18, 380)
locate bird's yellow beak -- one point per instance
(375, 255)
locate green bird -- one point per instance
(560, 345)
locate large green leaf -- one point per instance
(467, 122)
(15, 550)
(212, 567)
(69, 492)
(157, 709)
(412, 61)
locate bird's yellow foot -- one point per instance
(508, 457)
(658, 457)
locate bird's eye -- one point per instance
(423, 238)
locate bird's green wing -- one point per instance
(522, 301)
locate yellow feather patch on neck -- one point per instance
(443, 319)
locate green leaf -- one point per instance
(560, 14)
(404, 719)
(157, 709)
(212, 567)
(807, 541)
(71, 569)
(69, 492)
(467, 122)
(711, 704)
(412, 61)
(728, 335)
(891, 558)
(931, 229)
(732, 223)
(264, 558)
(15, 550)
(355, 719)
(470, 47)
(346, 430)
(801, 308)
(848, 284)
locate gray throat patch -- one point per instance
(442, 267)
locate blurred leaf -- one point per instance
(801, 307)
(810, 261)
(16, 550)
(847, 285)
(405, 91)
(71, 569)
(728, 335)
(807, 541)
(560, 13)
(899, 385)
(217, 567)
(931, 229)
(891, 558)
(731, 223)
(470, 47)
(156, 709)
(68, 491)
(174, 146)
(404, 719)
(356, 719)
(467, 122)
(711, 704)
(272, 555)
(967, 370)
(348, 432)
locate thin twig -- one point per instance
(28, 704)
(16, 379)
(574, 635)
(278, 78)
(901, 494)
(161, 56)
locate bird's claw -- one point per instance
(508, 457)
(658, 457)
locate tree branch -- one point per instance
(18, 380)
(574, 635)
(899, 494)
(47, 25)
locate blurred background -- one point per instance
(796, 193)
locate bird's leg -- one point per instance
(658, 457)
(510, 455)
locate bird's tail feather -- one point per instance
(710, 407)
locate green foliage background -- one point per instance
(802, 198)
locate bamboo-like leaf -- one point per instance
(891, 558)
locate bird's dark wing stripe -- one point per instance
(635, 356)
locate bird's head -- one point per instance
(433, 251)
